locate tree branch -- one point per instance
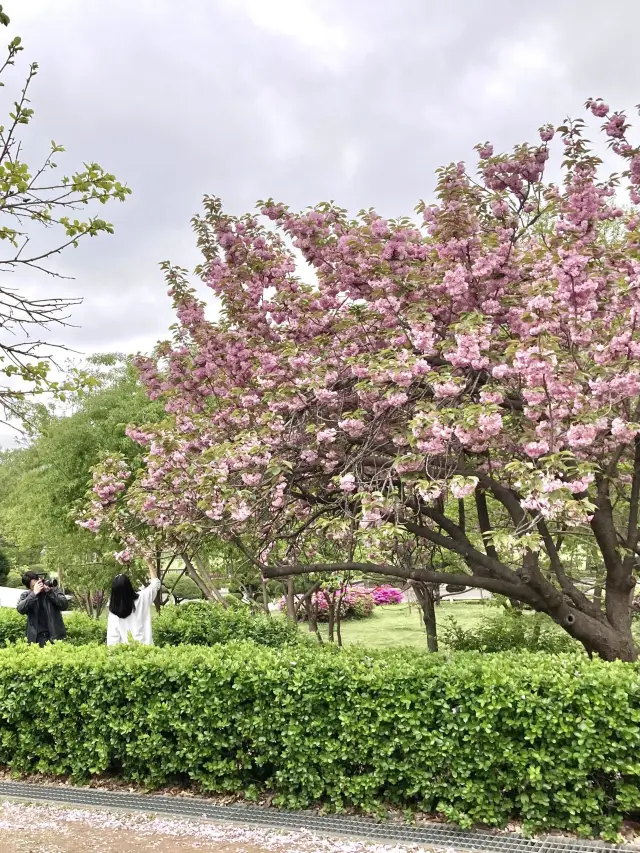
(499, 587)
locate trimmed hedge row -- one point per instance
(552, 740)
(81, 629)
(203, 624)
(503, 631)
(197, 624)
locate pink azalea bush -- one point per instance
(387, 594)
(355, 603)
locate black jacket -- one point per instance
(53, 603)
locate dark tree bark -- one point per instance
(291, 599)
(339, 618)
(540, 581)
(265, 599)
(331, 614)
(313, 616)
(426, 599)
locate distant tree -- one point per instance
(37, 222)
(183, 589)
(5, 567)
(42, 483)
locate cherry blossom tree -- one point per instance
(470, 380)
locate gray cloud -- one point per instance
(302, 100)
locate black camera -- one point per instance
(50, 583)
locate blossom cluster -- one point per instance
(497, 340)
(387, 594)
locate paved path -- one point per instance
(27, 828)
(268, 823)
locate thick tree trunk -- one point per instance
(430, 623)
(291, 599)
(195, 577)
(598, 637)
(607, 635)
(312, 610)
(426, 599)
(158, 573)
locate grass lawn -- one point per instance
(400, 624)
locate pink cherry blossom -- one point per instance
(348, 483)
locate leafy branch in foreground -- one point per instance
(42, 213)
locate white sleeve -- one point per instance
(152, 590)
(113, 634)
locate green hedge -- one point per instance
(203, 624)
(81, 629)
(554, 741)
(503, 631)
(198, 624)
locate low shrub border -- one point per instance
(196, 624)
(554, 741)
(81, 629)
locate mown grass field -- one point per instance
(400, 624)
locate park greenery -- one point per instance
(195, 624)
(476, 738)
(449, 402)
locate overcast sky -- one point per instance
(303, 100)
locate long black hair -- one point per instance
(123, 597)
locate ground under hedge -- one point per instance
(553, 741)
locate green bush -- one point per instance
(197, 624)
(12, 626)
(184, 589)
(551, 740)
(505, 631)
(203, 624)
(81, 629)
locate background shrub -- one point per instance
(354, 602)
(197, 623)
(387, 594)
(479, 738)
(508, 631)
(203, 624)
(184, 589)
(81, 629)
(12, 626)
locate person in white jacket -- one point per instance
(130, 612)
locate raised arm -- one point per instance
(58, 599)
(153, 589)
(154, 585)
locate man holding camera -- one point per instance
(42, 603)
